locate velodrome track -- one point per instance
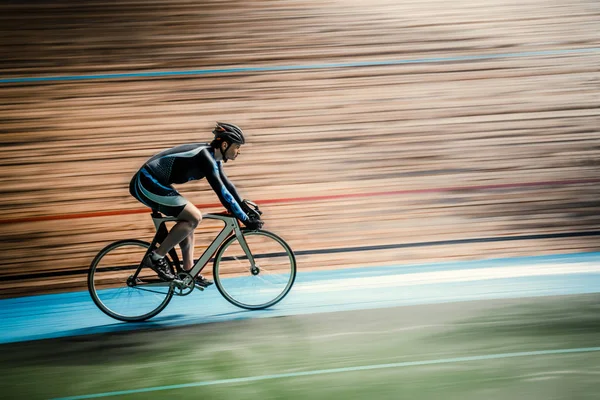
(74, 314)
(434, 167)
(461, 330)
(370, 125)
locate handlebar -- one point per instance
(253, 208)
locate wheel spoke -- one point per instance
(108, 283)
(276, 270)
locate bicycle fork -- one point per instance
(254, 269)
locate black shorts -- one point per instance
(150, 192)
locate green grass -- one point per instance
(133, 360)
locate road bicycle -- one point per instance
(252, 269)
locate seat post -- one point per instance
(156, 214)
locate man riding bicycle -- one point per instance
(152, 186)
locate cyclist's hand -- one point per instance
(254, 223)
(251, 209)
(245, 206)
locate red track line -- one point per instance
(114, 213)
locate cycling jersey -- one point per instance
(151, 185)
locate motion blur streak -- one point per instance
(300, 67)
(340, 370)
(310, 199)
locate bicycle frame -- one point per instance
(231, 226)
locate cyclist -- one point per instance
(152, 186)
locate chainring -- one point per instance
(185, 284)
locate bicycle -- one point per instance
(126, 290)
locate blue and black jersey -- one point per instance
(151, 185)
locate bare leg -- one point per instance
(189, 219)
(187, 251)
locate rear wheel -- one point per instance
(255, 286)
(117, 293)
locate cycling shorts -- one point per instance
(150, 192)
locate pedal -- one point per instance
(199, 287)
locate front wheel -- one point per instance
(117, 292)
(257, 286)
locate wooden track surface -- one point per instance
(71, 146)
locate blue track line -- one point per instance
(74, 314)
(282, 68)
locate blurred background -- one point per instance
(451, 146)
(381, 134)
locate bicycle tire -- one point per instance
(108, 286)
(227, 284)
